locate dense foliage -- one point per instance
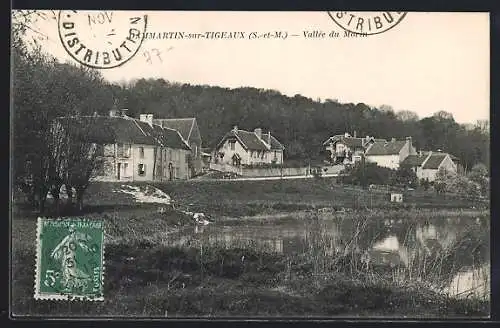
(300, 123)
(44, 89)
(45, 158)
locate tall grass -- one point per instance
(434, 269)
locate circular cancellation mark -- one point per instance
(101, 39)
(367, 23)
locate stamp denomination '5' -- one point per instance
(70, 259)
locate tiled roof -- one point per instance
(353, 142)
(386, 148)
(434, 161)
(108, 130)
(414, 160)
(183, 125)
(170, 138)
(275, 144)
(249, 140)
(350, 141)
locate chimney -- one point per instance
(235, 128)
(96, 114)
(148, 118)
(113, 113)
(346, 135)
(354, 133)
(393, 139)
(258, 132)
(269, 137)
(408, 141)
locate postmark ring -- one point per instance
(367, 23)
(101, 40)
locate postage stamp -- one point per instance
(101, 39)
(70, 259)
(367, 23)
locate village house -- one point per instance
(131, 149)
(188, 128)
(240, 147)
(427, 164)
(206, 157)
(346, 149)
(389, 154)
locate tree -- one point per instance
(44, 89)
(479, 175)
(366, 174)
(407, 116)
(425, 183)
(405, 176)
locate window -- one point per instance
(233, 144)
(141, 152)
(123, 150)
(125, 167)
(141, 169)
(275, 153)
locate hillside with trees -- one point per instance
(44, 89)
(300, 123)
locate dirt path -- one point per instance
(290, 177)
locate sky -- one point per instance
(427, 63)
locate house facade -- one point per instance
(427, 164)
(346, 149)
(389, 154)
(131, 149)
(240, 147)
(190, 132)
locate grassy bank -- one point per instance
(145, 278)
(240, 198)
(249, 198)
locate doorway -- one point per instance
(170, 171)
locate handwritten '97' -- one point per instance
(155, 55)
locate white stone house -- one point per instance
(240, 147)
(131, 149)
(390, 154)
(346, 149)
(427, 164)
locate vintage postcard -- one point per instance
(191, 164)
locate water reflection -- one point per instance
(449, 250)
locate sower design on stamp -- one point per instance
(70, 259)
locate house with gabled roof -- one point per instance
(347, 149)
(130, 149)
(239, 147)
(189, 130)
(427, 164)
(389, 154)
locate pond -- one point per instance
(452, 253)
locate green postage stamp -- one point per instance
(70, 259)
